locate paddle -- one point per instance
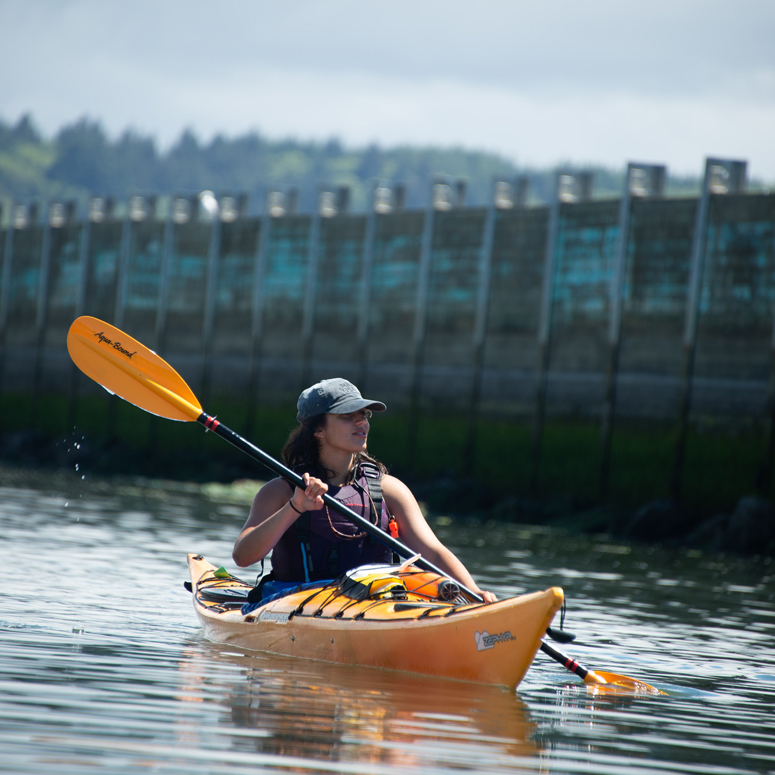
(598, 678)
(130, 370)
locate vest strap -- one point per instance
(302, 536)
(373, 477)
(333, 561)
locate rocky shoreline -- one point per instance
(749, 529)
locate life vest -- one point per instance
(323, 544)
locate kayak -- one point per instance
(398, 617)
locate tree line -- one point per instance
(81, 160)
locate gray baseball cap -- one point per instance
(333, 396)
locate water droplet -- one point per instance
(67, 503)
(77, 466)
(83, 476)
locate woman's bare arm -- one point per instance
(272, 514)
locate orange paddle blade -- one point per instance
(129, 369)
(614, 683)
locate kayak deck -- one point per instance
(384, 618)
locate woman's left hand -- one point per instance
(489, 597)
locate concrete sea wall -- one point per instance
(647, 307)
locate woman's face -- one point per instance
(345, 432)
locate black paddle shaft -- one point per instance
(293, 478)
(565, 661)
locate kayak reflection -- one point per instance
(318, 710)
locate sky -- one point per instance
(597, 82)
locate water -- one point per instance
(103, 665)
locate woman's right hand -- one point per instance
(311, 497)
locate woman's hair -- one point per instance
(301, 452)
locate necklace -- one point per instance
(346, 536)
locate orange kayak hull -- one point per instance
(491, 643)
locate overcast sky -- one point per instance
(608, 81)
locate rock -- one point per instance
(752, 526)
(656, 521)
(710, 535)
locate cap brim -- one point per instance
(355, 405)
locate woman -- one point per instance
(310, 542)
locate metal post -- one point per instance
(257, 313)
(310, 291)
(41, 317)
(545, 327)
(420, 324)
(5, 288)
(211, 289)
(721, 176)
(80, 306)
(764, 478)
(167, 251)
(180, 210)
(480, 323)
(122, 267)
(84, 265)
(640, 181)
(364, 305)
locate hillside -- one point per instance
(81, 160)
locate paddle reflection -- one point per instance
(332, 712)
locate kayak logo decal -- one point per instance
(115, 345)
(273, 616)
(486, 641)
